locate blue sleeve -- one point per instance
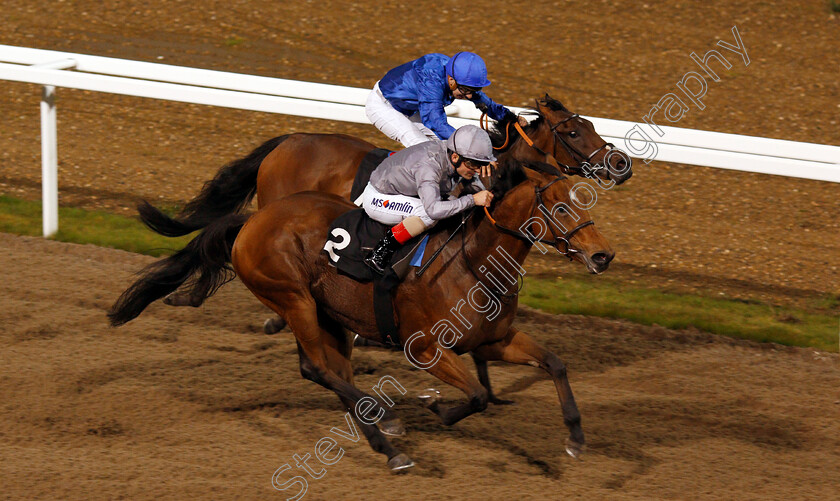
(430, 91)
(495, 110)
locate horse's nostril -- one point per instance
(620, 167)
(601, 258)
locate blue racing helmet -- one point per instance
(468, 69)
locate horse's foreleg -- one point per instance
(324, 360)
(484, 379)
(446, 366)
(520, 348)
(274, 325)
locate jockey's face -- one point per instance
(460, 91)
(468, 168)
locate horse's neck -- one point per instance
(479, 240)
(522, 150)
(543, 139)
(514, 210)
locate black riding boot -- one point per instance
(380, 257)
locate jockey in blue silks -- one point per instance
(407, 104)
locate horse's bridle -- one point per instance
(565, 238)
(576, 154)
(562, 238)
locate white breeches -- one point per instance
(407, 130)
(392, 209)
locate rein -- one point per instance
(577, 155)
(484, 122)
(505, 298)
(564, 238)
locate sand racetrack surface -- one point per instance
(198, 403)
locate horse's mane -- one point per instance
(510, 173)
(500, 130)
(554, 104)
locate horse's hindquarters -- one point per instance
(304, 162)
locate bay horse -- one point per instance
(277, 254)
(328, 163)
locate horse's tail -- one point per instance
(229, 191)
(208, 255)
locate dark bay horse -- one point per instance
(328, 163)
(277, 254)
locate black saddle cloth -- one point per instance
(352, 236)
(369, 163)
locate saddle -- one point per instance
(353, 235)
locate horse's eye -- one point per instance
(573, 134)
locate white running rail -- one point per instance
(332, 102)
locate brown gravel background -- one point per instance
(198, 404)
(669, 414)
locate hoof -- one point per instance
(574, 449)
(274, 325)
(181, 299)
(429, 397)
(499, 401)
(400, 463)
(393, 428)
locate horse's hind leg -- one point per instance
(339, 347)
(183, 298)
(520, 348)
(194, 295)
(340, 364)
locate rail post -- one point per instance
(49, 151)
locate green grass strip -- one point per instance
(595, 296)
(729, 317)
(81, 226)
